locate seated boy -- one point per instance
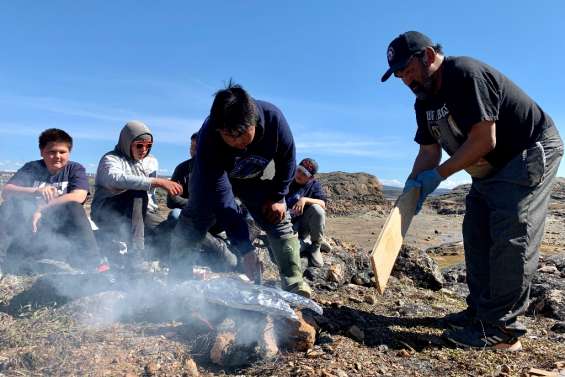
(125, 181)
(42, 211)
(307, 203)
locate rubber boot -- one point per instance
(287, 255)
(315, 258)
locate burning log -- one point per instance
(297, 335)
(240, 341)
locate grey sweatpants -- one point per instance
(312, 222)
(502, 231)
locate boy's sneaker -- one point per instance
(483, 335)
(459, 320)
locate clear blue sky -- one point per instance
(88, 67)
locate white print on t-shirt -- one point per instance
(443, 128)
(60, 186)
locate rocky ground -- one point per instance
(46, 333)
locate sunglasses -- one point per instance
(141, 145)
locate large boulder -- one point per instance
(547, 294)
(419, 267)
(352, 192)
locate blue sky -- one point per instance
(88, 67)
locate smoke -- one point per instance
(62, 254)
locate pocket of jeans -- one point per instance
(525, 169)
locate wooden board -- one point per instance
(392, 234)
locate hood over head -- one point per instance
(131, 131)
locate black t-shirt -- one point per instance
(35, 174)
(181, 175)
(473, 92)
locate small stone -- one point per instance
(559, 327)
(325, 338)
(355, 299)
(190, 368)
(335, 273)
(505, 369)
(370, 299)
(358, 366)
(356, 333)
(403, 353)
(152, 368)
(314, 354)
(341, 373)
(382, 347)
(326, 374)
(549, 269)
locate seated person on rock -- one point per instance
(42, 213)
(307, 203)
(125, 184)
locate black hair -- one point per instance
(233, 109)
(194, 136)
(55, 135)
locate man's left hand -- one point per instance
(430, 180)
(274, 211)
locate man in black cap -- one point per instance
(307, 202)
(512, 149)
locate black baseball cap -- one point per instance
(402, 48)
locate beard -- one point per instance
(423, 89)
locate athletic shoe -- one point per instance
(459, 320)
(483, 335)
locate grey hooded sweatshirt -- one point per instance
(118, 171)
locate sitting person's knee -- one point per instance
(318, 210)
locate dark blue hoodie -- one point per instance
(221, 171)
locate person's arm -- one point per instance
(177, 201)
(111, 175)
(274, 208)
(428, 157)
(480, 141)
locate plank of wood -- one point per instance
(392, 234)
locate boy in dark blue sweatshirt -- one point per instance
(245, 149)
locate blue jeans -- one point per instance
(503, 228)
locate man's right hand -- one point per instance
(173, 188)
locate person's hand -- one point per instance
(430, 180)
(35, 221)
(274, 211)
(298, 207)
(173, 188)
(252, 266)
(48, 193)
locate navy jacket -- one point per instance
(221, 171)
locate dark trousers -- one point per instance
(123, 218)
(64, 232)
(502, 231)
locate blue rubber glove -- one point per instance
(430, 180)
